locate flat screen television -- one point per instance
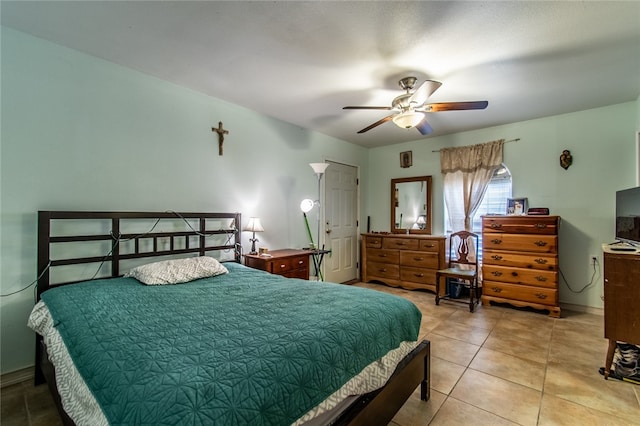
(628, 216)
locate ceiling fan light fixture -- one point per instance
(408, 119)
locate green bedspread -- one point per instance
(242, 348)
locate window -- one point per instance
(494, 202)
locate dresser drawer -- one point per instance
(528, 243)
(383, 256)
(419, 259)
(383, 270)
(430, 245)
(521, 224)
(533, 277)
(418, 275)
(542, 261)
(373, 242)
(543, 296)
(401, 243)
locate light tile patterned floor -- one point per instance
(506, 366)
(496, 366)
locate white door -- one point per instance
(341, 223)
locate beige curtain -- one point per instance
(467, 172)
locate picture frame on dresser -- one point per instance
(517, 206)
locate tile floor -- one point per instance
(496, 366)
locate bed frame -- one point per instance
(377, 407)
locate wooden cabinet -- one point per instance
(520, 261)
(289, 263)
(407, 261)
(621, 300)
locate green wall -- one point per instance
(602, 142)
(80, 133)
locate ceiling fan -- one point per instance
(411, 108)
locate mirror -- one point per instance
(411, 205)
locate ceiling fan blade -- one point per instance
(454, 106)
(368, 107)
(423, 92)
(377, 123)
(424, 127)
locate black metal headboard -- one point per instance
(201, 233)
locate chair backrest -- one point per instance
(460, 242)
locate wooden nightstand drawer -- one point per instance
(287, 262)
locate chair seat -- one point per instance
(466, 273)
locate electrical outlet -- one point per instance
(593, 259)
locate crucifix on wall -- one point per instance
(221, 132)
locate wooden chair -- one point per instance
(457, 273)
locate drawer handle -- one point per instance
(496, 273)
(382, 270)
(540, 243)
(540, 225)
(399, 243)
(430, 245)
(382, 255)
(300, 262)
(496, 257)
(496, 289)
(541, 278)
(418, 275)
(541, 261)
(496, 225)
(418, 259)
(496, 241)
(282, 265)
(541, 296)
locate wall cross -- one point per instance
(221, 132)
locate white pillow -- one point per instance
(177, 270)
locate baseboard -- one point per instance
(582, 308)
(18, 376)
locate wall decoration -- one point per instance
(566, 159)
(221, 132)
(406, 159)
(516, 206)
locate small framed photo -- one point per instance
(516, 206)
(406, 159)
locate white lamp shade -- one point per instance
(254, 225)
(408, 119)
(306, 205)
(319, 168)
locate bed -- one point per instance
(231, 346)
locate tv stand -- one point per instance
(621, 300)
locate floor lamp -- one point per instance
(307, 205)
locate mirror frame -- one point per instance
(394, 182)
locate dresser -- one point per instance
(621, 300)
(289, 263)
(520, 261)
(398, 260)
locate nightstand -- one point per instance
(289, 263)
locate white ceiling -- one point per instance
(301, 62)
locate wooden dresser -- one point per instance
(399, 260)
(289, 263)
(621, 300)
(520, 261)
